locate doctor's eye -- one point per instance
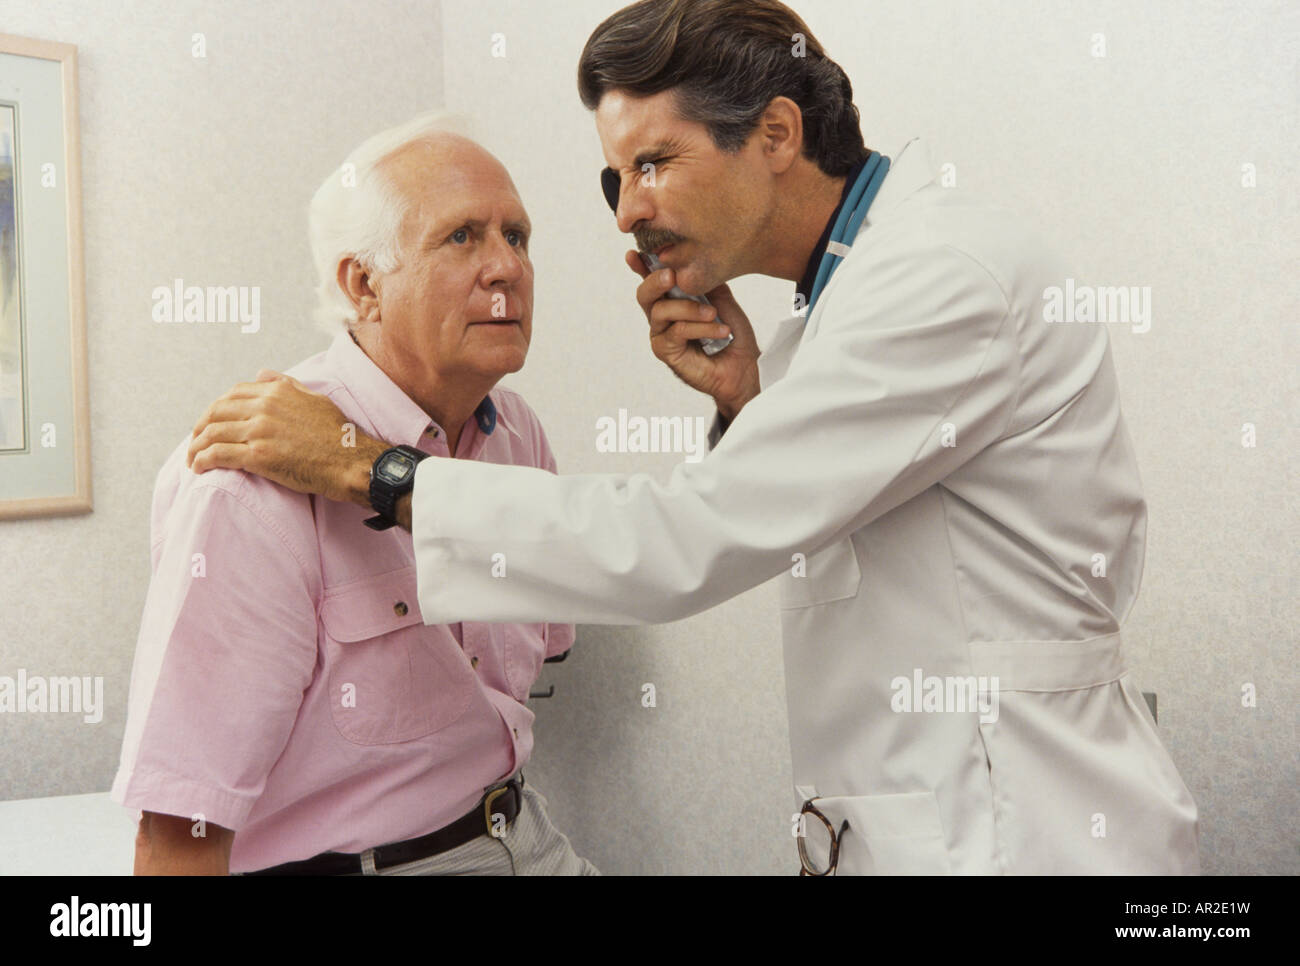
(517, 239)
(460, 236)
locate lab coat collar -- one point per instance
(910, 169)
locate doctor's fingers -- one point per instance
(260, 409)
(669, 343)
(224, 456)
(654, 287)
(634, 262)
(240, 392)
(270, 375)
(667, 312)
(218, 434)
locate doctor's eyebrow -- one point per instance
(653, 154)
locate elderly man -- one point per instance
(290, 711)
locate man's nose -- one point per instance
(634, 205)
(504, 262)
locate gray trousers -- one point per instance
(530, 845)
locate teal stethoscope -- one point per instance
(852, 214)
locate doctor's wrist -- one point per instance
(729, 408)
(746, 384)
(355, 473)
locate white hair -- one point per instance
(357, 212)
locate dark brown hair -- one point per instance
(726, 60)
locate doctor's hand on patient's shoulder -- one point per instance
(731, 376)
(279, 429)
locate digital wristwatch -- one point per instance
(391, 477)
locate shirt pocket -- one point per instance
(831, 574)
(888, 834)
(391, 677)
(525, 650)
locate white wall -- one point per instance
(1135, 161)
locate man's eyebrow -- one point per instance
(653, 154)
(452, 222)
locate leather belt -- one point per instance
(505, 800)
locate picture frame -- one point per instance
(44, 403)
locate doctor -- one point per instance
(940, 480)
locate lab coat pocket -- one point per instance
(889, 834)
(391, 678)
(831, 574)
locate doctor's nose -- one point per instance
(634, 206)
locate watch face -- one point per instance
(395, 468)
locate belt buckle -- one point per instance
(488, 801)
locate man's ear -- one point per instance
(355, 284)
(780, 131)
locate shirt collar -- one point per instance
(486, 416)
(393, 414)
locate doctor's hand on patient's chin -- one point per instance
(730, 376)
(277, 428)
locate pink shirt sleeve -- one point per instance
(228, 644)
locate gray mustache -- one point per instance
(652, 239)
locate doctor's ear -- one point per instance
(356, 284)
(780, 131)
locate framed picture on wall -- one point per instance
(44, 409)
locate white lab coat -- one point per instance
(956, 474)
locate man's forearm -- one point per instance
(355, 472)
(166, 845)
(731, 406)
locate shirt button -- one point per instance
(400, 608)
(516, 731)
(433, 431)
(473, 661)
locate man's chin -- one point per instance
(500, 360)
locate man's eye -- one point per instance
(516, 238)
(460, 236)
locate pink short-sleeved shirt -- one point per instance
(285, 685)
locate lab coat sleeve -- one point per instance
(912, 371)
(559, 638)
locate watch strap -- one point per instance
(384, 495)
